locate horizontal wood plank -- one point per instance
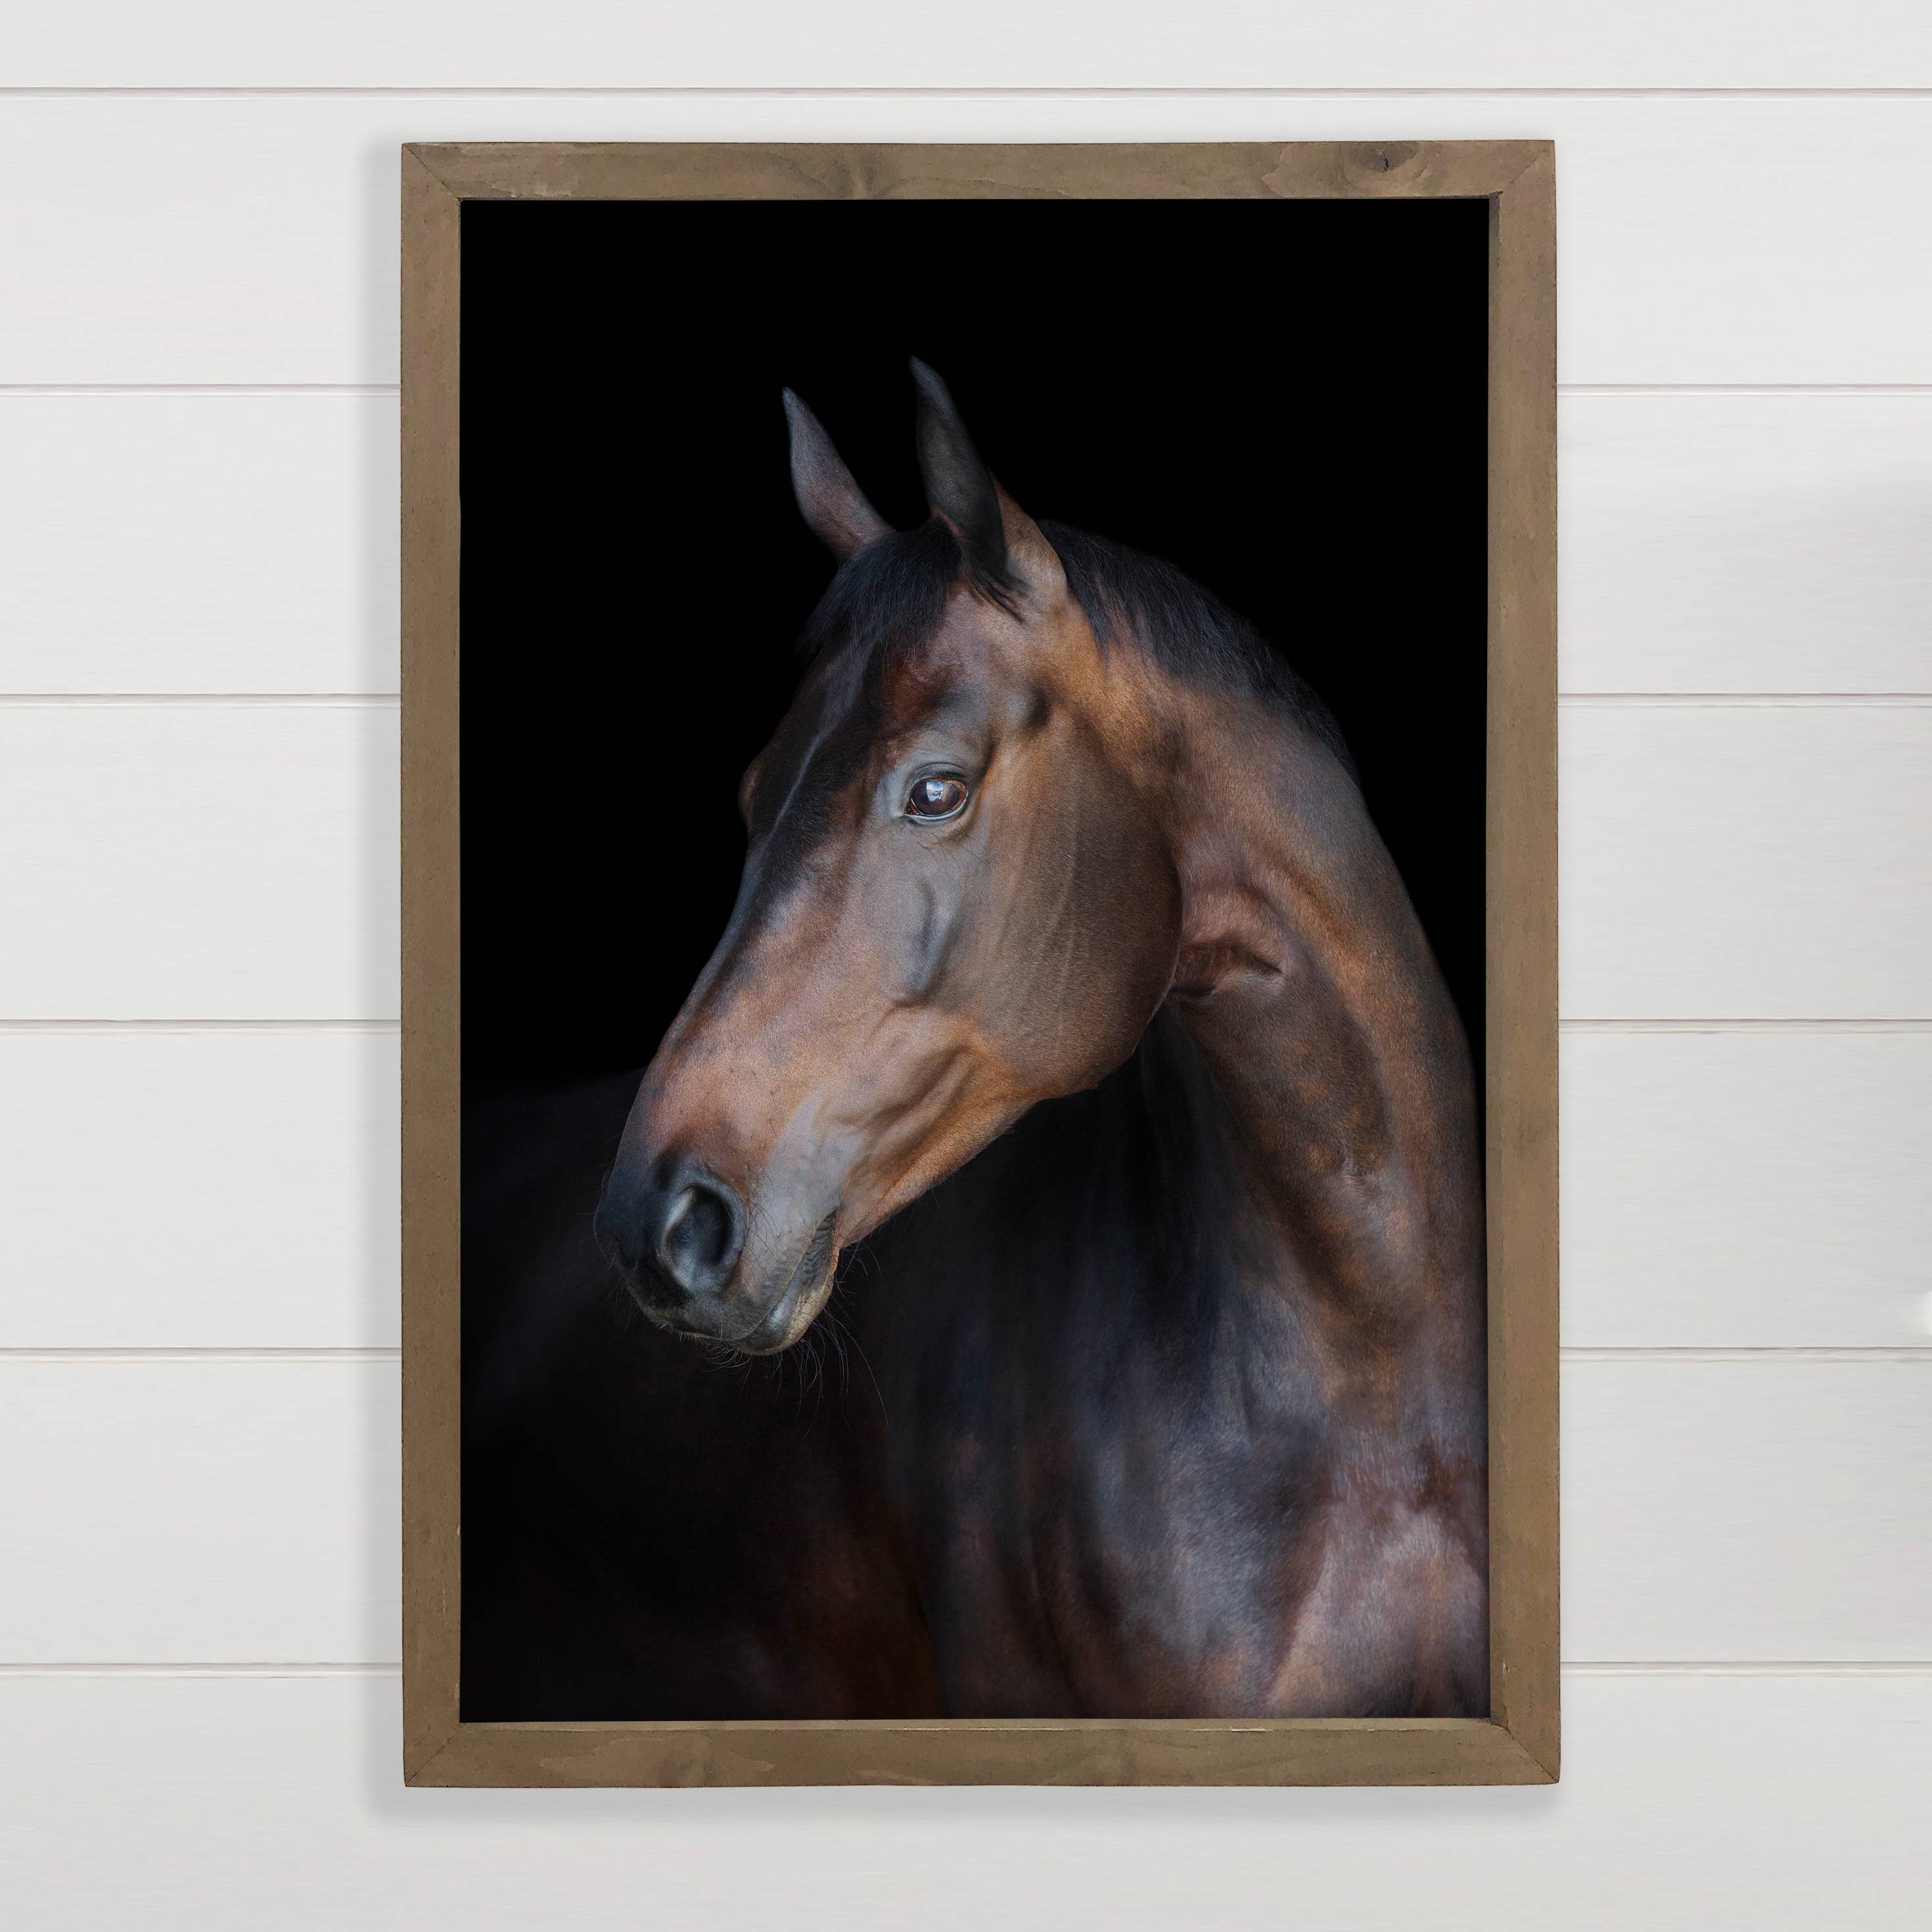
(1710, 543)
(1746, 542)
(1780, 1803)
(1775, 1508)
(1755, 1190)
(198, 861)
(240, 239)
(236, 542)
(1772, 1509)
(1752, 862)
(870, 44)
(180, 1190)
(188, 1511)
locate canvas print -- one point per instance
(972, 1192)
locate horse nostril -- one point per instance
(702, 1235)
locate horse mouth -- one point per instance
(787, 1318)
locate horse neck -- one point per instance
(1329, 1036)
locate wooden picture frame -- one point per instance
(1519, 1743)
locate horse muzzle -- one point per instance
(685, 1244)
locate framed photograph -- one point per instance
(979, 965)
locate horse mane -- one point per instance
(1129, 596)
(890, 596)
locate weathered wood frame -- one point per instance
(1519, 1744)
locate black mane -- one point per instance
(890, 596)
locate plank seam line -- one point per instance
(1903, 1667)
(1900, 1667)
(268, 1026)
(200, 388)
(1769, 1352)
(388, 700)
(1793, 1025)
(94, 700)
(1744, 388)
(701, 91)
(191, 1353)
(1744, 700)
(394, 389)
(186, 1023)
(234, 700)
(84, 1670)
(1692, 1352)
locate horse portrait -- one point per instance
(1041, 1271)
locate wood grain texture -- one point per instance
(198, 861)
(1777, 1804)
(1519, 961)
(1115, 1751)
(432, 1062)
(248, 240)
(184, 1190)
(1521, 1743)
(252, 540)
(870, 44)
(1770, 1509)
(928, 171)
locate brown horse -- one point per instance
(1070, 977)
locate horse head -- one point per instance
(958, 901)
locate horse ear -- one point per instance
(1002, 543)
(832, 505)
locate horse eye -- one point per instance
(931, 799)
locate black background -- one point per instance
(1287, 399)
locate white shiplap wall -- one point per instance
(198, 1621)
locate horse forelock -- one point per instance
(887, 598)
(887, 602)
